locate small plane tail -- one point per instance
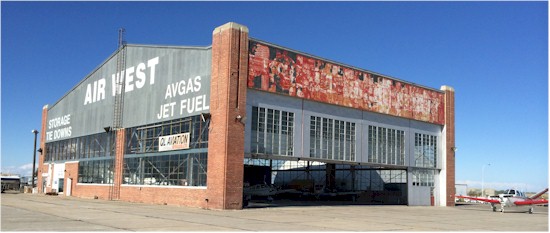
(539, 194)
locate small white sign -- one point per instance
(174, 142)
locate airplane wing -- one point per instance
(480, 199)
(532, 202)
(539, 194)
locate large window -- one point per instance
(425, 150)
(177, 170)
(145, 139)
(272, 131)
(423, 177)
(144, 164)
(96, 171)
(94, 153)
(81, 148)
(332, 139)
(386, 146)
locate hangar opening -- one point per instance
(276, 182)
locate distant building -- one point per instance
(474, 191)
(10, 182)
(489, 192)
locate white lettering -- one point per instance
(166, 110)
(194, 104)
(168, 92)
(59, 121)
(181, 88)
(62, 133)
(174, 142)
(58, 133)
(129, 78)
(189, 86)
(88, 98)
(197, 83)
(117, 87)
(152, 64)
(198, 102)
(140, 75)
(101, 89)
(94, 93)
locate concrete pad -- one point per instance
(35, 212)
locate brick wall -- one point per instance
(227, 102)
(91, 191)
(194, 197)
(183, 196)
(450, 143)
(71, 172)
(119, 162)
(40, 161)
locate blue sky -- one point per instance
(495, 55)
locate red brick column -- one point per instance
(41, 161)
(120, 135)
(450, 143)
(71, 172)
(227, 103)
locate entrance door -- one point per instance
(419, 195)
(69, 187)
(60, 185)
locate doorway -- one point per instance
(69, 187)
(60, 185)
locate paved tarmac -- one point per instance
(37, 212)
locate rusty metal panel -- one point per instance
(281, 71)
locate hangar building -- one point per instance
(199, 126)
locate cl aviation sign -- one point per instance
(174, 142)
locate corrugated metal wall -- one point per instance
(162, 83)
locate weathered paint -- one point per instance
(285, 72)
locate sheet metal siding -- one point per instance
(142, 105)
(418, 195)
(175, 66)
(283, 71)
(304, 109)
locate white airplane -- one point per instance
(263, 190)
(513, 199)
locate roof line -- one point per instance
(170, 46)
(87, 76)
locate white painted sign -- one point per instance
(174, 142)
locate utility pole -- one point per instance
(35, 132)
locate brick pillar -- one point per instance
(450, 143)
(40, 160)
(120, 138)
(227, 103)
